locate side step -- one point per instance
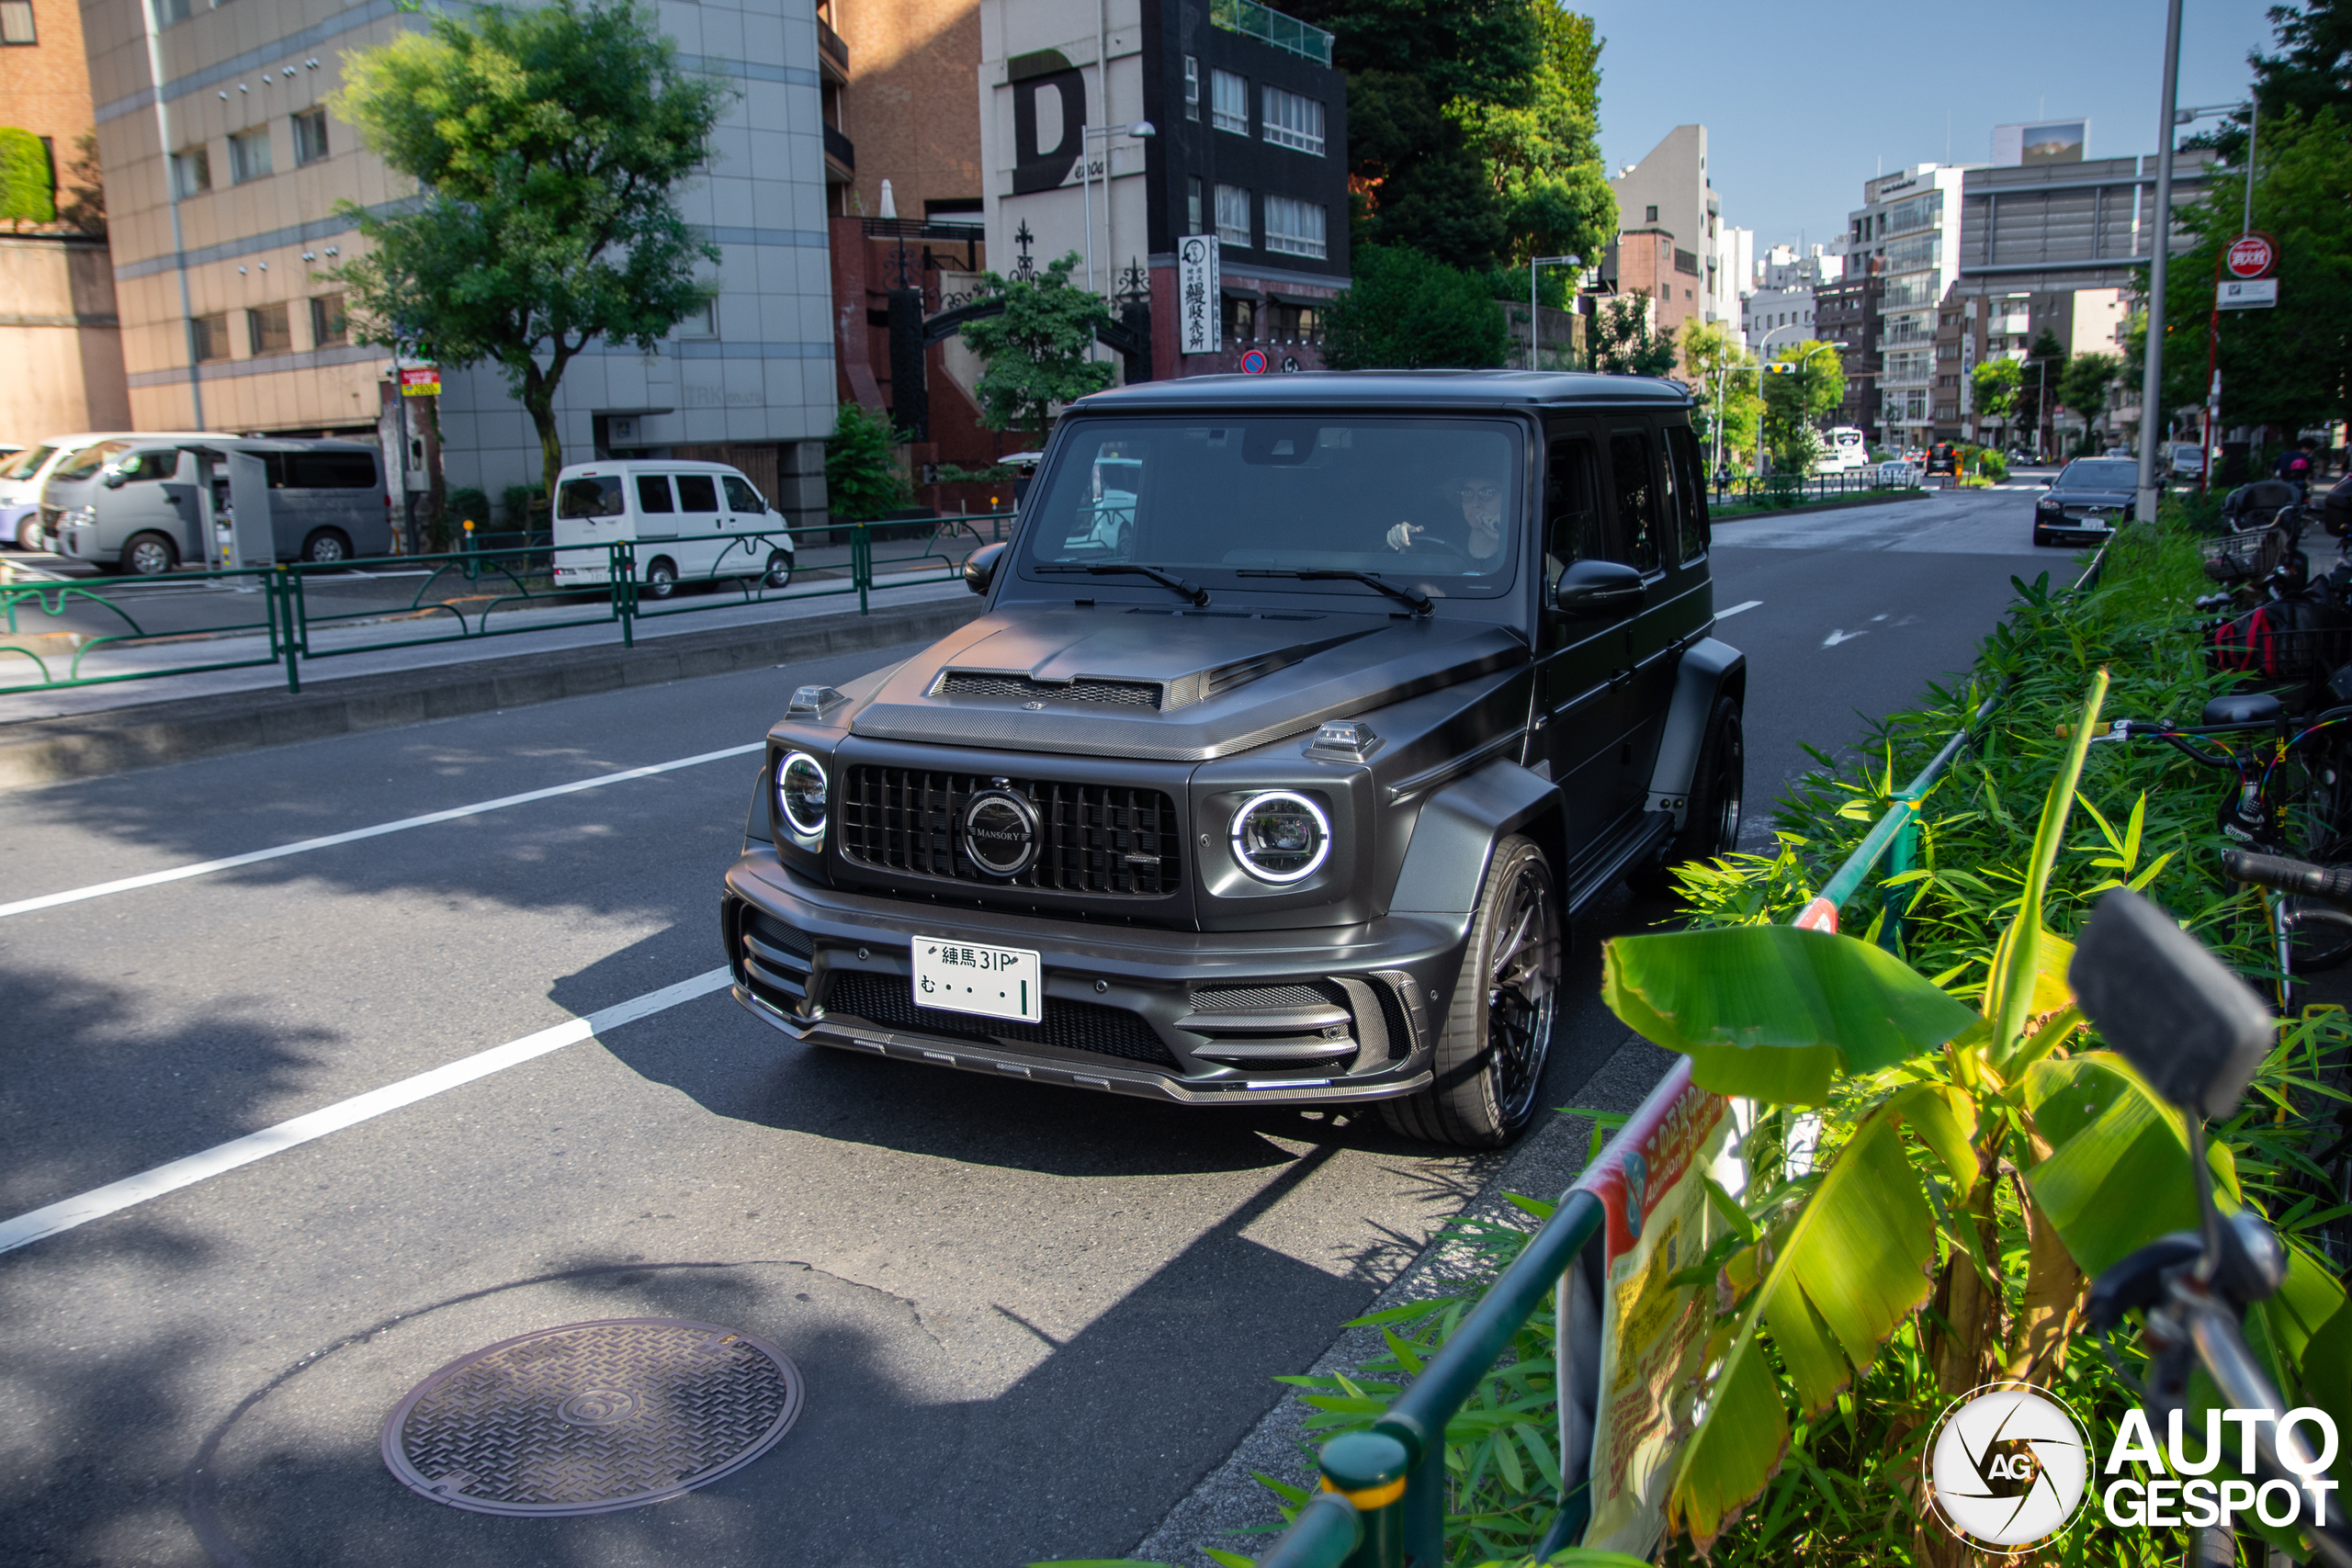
(1601, 870)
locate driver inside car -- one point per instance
(1472, 530)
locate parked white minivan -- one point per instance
(690, 522)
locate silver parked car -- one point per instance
(135, 504)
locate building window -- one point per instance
(1192, 86)
(170, 11)
(310, 136)
(1229, 102)
(1232, 215)
(1240, 319)
(191, 172)
(17, 22)
(207, 338)
(1191, 204)
(267, 331)
(701, 321)
(1293, 323)
(1650, 215)
(1290, 119)
(328, 327)
(1293, 227)
(249, 154)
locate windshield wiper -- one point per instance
(1419, 602)
(1193, 591)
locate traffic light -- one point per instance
(1783, 368)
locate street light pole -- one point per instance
(2153, 353)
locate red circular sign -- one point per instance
(2251, 255)
(1254, 361)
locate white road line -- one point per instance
(1737, 609)
(181, 872)
(116, 1196)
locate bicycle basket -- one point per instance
(2238, 557)
(2259, 644)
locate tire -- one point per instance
(1718, 795)
(1489, 1066)
(149, 555)
(779, 573)
(660, 577)
(2041, 537)
(325, 547)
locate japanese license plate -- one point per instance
(995, 982)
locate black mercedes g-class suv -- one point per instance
(1303, 713)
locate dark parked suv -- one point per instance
(1305, 712)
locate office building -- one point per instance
(1672, 242)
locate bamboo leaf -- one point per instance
(1771, 1011)
(2014, 979)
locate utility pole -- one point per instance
(2160, 248)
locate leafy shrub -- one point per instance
(1405, 311)
(1993, 466)
(466, 503)
(27, 184)
(521, 505)
(862, 477)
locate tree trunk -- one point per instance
(1971, 1312)
(539, 397)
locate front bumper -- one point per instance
(1199, 1017)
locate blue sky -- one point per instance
(1802, 102)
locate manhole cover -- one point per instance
(592, 1417)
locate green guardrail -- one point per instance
(1382, 1502)
(1776, 491)
(472, 593)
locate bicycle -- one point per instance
(2197, 1034)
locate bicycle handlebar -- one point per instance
(2283, 876)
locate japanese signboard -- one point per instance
(2251, 254)
(2247, 294)
(420, 380)
(1198, 309)
(1651, 1180)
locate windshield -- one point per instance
(85, 463)
(26, 464)
(1429, 505)
(2101, 473)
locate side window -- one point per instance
(741, 497)
(1573, 528)
(653, 492)
(697, 493)
(1686, 473)
(1637, 510)
(152, 463)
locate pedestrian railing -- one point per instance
(1775, 490)
(1383, 1491)
(69, 633)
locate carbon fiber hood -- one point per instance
(1167, 686)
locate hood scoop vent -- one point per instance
(1022, 688)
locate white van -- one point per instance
(691, 523)
(25, 475)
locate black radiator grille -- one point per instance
(1102, 838)
(888, 1002)
(1119, 693)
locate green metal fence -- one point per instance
(470, 594)
(1771, 491)
(1383, 1499)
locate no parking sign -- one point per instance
(1254, 361)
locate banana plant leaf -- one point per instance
(1773, 1013)
(1848, 1271)
(2118, 1175)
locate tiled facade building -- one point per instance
(222, 190)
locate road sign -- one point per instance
(2248, 294)
(1254, 361)
(420, 380)
(2251, 254)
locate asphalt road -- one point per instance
(1029, 1320)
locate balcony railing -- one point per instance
(841, 149)
(829, 45)
(1252, 20)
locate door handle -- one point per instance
(1620, 678)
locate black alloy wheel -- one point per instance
(660, 577)
(1488, 1061)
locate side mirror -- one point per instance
(2176, 1012)
(1594, 589)
(979, 567)
(112, 478)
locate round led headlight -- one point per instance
(1280, 837)
(800, 791)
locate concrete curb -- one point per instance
(1894, 500)
(153, 733)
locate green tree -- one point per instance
(1542, 156)
(27, 184)
(1036, 351)
(1796, 402)
(2083, 386)
(2290, 366)
(549, 146)
(862, 477)
(1994, 384)
(1407, 311)
(2311, 71)
(1721, 374)
(1624, 341)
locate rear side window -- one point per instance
(740, 496)
(1637, 501)
(1686, 475)
(653, 492)
(697, 493)
(1573, 526)
(597, 496)
(330, 470)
